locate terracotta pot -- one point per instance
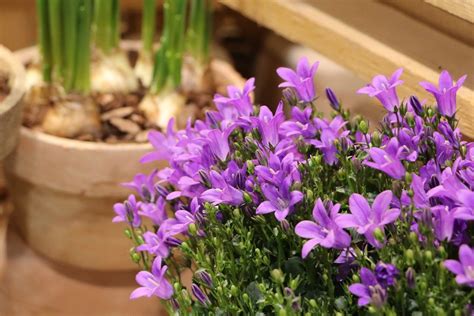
(10, 108)
(10, 116)
(63, 191)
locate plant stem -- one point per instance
(168, 59)
(44, 40)
(55, 29)
(70, 14)
(148, 24)
(106, 24)
(199, 29)
(82, 64)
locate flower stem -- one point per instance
(44, 40)
(106, 24)
(148, 24)
(198, 33)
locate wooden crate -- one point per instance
(371, 37)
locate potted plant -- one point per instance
(310, 215)
(79, 136)
(12, 89)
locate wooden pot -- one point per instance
(63, 191)
(10, 116)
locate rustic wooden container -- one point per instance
(63, 191)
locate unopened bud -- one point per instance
(363, 127)
(410, 276)
(192, 229)
(247, 198)
(128, 233)
(277, 276)
(234, 290)
(428, 256)
(409, 257)
(379, 235)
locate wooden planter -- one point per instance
(63, 191)
(10, 116)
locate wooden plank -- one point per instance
(461, 8)
(437, 18)
(380, 40)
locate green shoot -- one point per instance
(199, 30)
(148, 25)
(106, 25)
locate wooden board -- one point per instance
(370, 37)
(461, 8)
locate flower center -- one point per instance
(470, 272)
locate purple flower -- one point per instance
(301, 124)
(162, 143)
(323, 231)
(154, 283)
(222, 191)
(369, 291)
(384, 89)
(155, 243)
(445, 94)
(128, 212)
(144, 185)
(464, 268)
(416, 105)
(329, 133)
(155, 211)
(205, 277)
(386, 274)
(387, 159)
(219, 143)
(302, 80)
(268, 124)
(238, 103)
(278, 169)
(280, 200)
(366, 219)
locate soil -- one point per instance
(121, 120)
(4, 86)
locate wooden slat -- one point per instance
(461, 8)
(368, 38)
(437, 18)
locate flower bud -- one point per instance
(313, 303)
(428, 256)
(200, 295)
(294, 284)
(416, 105)
(355, 278)
(413, 237)
(463, 150)
(135, 257)
(409, 257)
(288, 292)
(333, 101)
(277, 276)
(127, 232)
(282, 312)
(410, 277)
(205, 277)
(192, 229)
(376, 141)
(236, 213)
(285, 225)
(363, 127)
(234, 290)
(247, 198)
(442, 251)
(246, 298)
(408, 177)
(309, 195)
(379, 235)
(430, 112)
(250, 167)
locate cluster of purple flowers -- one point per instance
(417, 179)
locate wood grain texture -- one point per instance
(461, 8)
(380, 40)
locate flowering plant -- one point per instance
(308, 215)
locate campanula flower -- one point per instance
(154, 283)
(445, 93)
(280, 200)
(386, 274)
(464, 268)
(128, 211)
(323, 231)
(384, 89)
(302, 81)
(367, 219)
(387, 159)
(155, 243)
(369, 291)
(154, 211)
(237, 103)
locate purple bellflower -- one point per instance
(128, 212)
(367, 219)
(154, 283)
(302, 81)
(464, 268)
(445, 94)
(387, 159)
(280, 200)
(369, 291)
(384, 89)
(323, 231)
